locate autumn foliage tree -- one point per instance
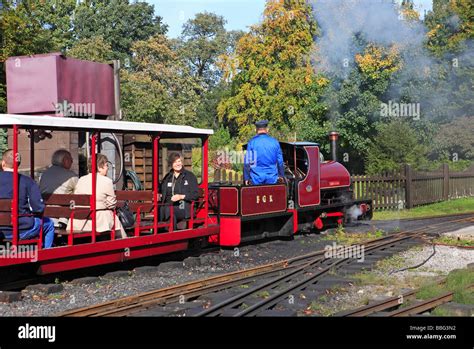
(271, 72)
(159, 87)
(449, 25)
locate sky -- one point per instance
(240, 14)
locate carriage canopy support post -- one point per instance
(32, 153)
(15, 232)
(156, 156)
(205, 179)
(94, 182)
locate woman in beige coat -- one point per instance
(105, 201)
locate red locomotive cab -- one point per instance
(302, 167)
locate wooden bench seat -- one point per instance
(78, 206)
(6, 220)
(57, 206)
(142, 202)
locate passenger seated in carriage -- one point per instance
(106, 200)
(30, 204)
(59, 179)
(179, 188)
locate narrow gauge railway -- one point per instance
(316, 193)
(237, 293)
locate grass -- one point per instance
(343, 238)
(263, 294)
(244, 306)
(441, 208)
(318, 308)
(449, 240)
(441, 312)
(391, 263)
(367, 278)
(457, 282)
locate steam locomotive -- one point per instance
(317, 194)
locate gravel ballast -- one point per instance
(92, 290)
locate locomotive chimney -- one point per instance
(333, 137)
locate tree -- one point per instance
(455, 140)
(55, 16)
(203, 39)
(22, 32)
(94, 49)
(209, 100)
(271, 71)
(395, 143)
(408, 12)
(159, 88)
(450, 24)
(449, 39)
(119, 22)
(354, 103)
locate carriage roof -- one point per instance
(302, 144)
(66, 123)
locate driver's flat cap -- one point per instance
(261, 123)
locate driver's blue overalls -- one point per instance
(263, 162)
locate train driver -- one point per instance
(263, 162)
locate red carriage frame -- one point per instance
(75, 256)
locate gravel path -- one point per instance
(445, 260)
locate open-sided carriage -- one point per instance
(87, 248)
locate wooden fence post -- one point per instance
(445, 182)
(408, 186)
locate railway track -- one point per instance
(258, 291)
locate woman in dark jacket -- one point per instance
(179, 188)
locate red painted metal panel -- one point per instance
(32, 85)
(309, 193)
(334, 175)
(230, 232)
(107, 247)
(82, 81)
(36, 84)
(295, 220)
(110, 257)
(229, 200)
(262, 199)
